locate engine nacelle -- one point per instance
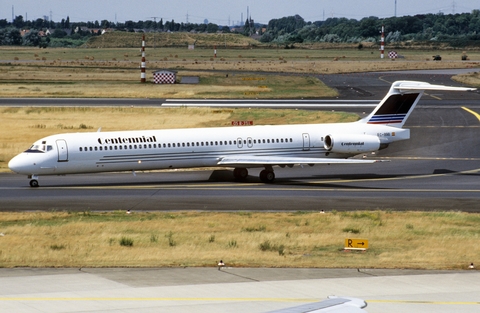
(346, 143)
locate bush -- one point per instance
(268, 246)
(126, 242)
(57, 247)
(232, 244)
(351, 230)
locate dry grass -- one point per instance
(469, 79)
(44, 81)
(114, 72)
(397, 239)
(20, 127)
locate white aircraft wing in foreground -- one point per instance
(331, 305)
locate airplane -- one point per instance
(235, 147)
(333, 305)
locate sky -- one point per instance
(225, 12)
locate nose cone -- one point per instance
(21, 165)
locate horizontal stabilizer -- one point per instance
(414, 85)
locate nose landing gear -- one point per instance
(33, 181)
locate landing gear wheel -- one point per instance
(267, 176)
(240, 173)
(34, 183)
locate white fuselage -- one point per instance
(183, 148)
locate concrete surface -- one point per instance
(233, 290)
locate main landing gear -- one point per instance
(33, 181)
(267, 175)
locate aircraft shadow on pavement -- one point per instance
(341, 180)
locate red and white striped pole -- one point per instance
(142, 67)
(382, 43)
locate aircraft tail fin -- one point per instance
(400, 101)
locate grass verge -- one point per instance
(424, 240)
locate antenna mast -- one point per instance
(155, 29)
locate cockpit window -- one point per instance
(39, 148)
(36, 149)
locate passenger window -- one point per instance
(91, 149)
(80, 148)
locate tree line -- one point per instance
(455, 29)
(66, 33)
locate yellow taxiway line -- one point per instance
(473, 112)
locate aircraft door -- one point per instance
(62, 150)
(249, 142)
(239, 143)
(306, 142)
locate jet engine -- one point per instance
(346, 143)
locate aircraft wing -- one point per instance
(413, 85)
(253, 160)
(332, 305)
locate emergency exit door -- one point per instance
(306, 142)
